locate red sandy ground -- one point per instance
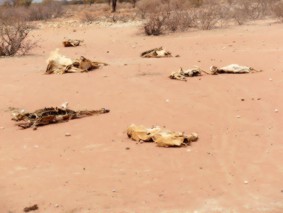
(236, 166)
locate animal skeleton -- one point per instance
(51, 115)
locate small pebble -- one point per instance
(276, 110)
(246, 182)
(167, 100)
(1, 127)
(114, 190)
(67, 134)
(270, 79)
(127, 148)
(242, 99)
(56, 205)
(238, 116)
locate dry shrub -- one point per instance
(207, 17)
(14, 38)
(180, 21)
(277, 10)
(17, 3)
(35, 12)
(13, 13)
(165, 16)
(155, 25)
(196, 3)
(88, 17)
(244, 10)
(45, 11)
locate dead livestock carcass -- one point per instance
(156, 53)
(182, 74)
(72, 43)
(50, 115)
(60, 64)
(160, 136)
(232, 69)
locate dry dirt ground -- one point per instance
(236, 166)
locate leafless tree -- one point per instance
(114, 4)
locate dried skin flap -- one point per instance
(156, 53)
(162, 137)
(169, 139)
(141, 133)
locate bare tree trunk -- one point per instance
(114, 4)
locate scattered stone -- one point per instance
(67, 134)
(127, 148)
(270, 79)
(31, 208)
(242, 99)
(114, 190)
(276, 110)
(238, 116)
(246, 182)
(177, 56)
(1, 127)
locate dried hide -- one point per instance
(162, 137)
(232, 68)
(59, 64)
(156, 53)
(181, 74)
(50, 115)
(72, 43)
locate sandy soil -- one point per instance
(236, 166)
